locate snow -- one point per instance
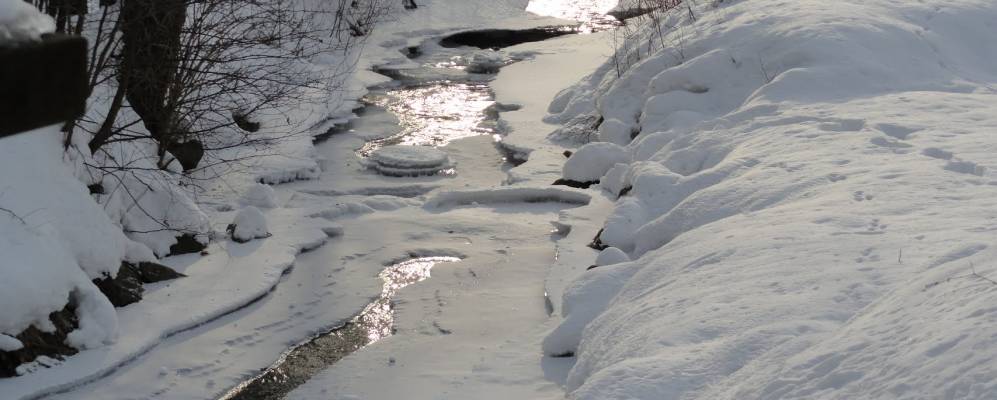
(260, 196)
(399, 160)
(808, 212)
(49, 223)
(152, 206)
(249, 224)
(591, 161)
(796, 196)
(10, 343)
(20, 21)
(486, 62)
(610, 256)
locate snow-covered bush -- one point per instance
(151, 205)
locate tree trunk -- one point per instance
(151, 32)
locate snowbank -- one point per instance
(20, 21)
(802, 177)
(48, 230)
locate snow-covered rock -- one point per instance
(54, 240)
(400, 160)
(485, 62)
(593, 160)
(10, 343)
(616, 132)
(20, 21)
(249, 224)
(610, 256)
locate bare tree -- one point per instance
(644, 31)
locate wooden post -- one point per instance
(42, 83)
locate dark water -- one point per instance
(374, 323)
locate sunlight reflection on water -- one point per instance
(374, 323)
(435, 114)
(591, 13)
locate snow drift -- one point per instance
(807, 196)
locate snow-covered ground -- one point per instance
(807, 202)
(803, 188)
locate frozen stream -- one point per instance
(348, 294)
(440, 105)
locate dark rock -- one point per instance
(244, 123)
(412, 52)
(591, 267)
(189, 153)
(625, 191)
(597, 242)
(567, 354)
(126, 287)
(150, 272)
(38, 343)
(123, 289)
(97, 188)
(574, 184)
(568, 153)
(186, 244)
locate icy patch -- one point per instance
(408, 161)
(507, 195)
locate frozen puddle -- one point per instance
(374, 323)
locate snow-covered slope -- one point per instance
(54, 239)
(810, 193)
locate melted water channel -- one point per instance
(374, 323)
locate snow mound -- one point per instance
(610, 256)
(260, 196)
(593, 160)
(403, 160)
(153, 206)
(10, 343)
(48, 227)
(249, 224)
(20, 21)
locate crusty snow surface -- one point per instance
(810, 207)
